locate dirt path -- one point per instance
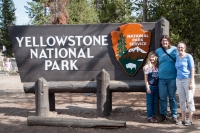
(16, 106)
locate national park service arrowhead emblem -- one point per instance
(131, 45)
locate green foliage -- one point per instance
(85, 12)
(37, 13)
(184, 19)
(7, 18)
(121, 48)
(82, 12)
(118, 11)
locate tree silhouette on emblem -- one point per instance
(121, 48)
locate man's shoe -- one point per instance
(175, 120)
(164, 118)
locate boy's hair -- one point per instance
(168, 38)
(148, 59)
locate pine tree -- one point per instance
(62, 12)
(37, 13)
(86, 13)
(121, 45)
(7, 18)
(116, 11)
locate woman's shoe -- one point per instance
(188, 123)
(175, 120)
(164, 118)
(180, 122)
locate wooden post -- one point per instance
(161, 28)
(42, 97)
(103, 96)
(52, 104)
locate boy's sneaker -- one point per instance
(164, 118)
(188, 123)
(180, 122)
(175, 120)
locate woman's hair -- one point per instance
(148, 62)
(183, 44)
(168, 38)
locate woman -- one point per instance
(167, 77)
(185, 83)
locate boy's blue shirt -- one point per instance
(166, 65)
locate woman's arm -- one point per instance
(192, 78)
(192, 71)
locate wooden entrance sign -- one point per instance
(101, 58)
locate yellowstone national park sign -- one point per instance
(80, 52)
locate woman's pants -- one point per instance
(186, 96)
(167, 88)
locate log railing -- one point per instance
(103, 87)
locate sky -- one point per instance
(22, 16)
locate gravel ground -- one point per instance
(16, 106)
